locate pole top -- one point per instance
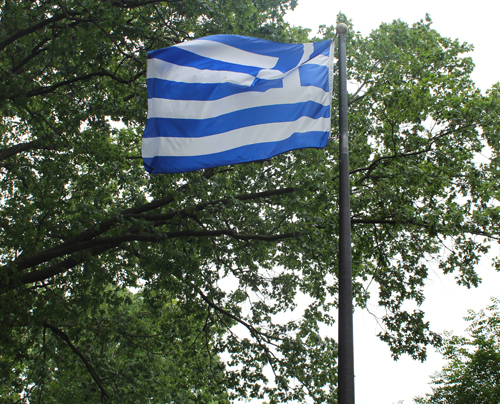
(342, 28)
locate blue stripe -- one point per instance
(245, 154)
(288, 55)
(257, 45)
(172, 90)
(314, 75)
(168, 127)
(183, 57)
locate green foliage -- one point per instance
(418, 124)
(126, 350)
(235, 268)
(472, 374)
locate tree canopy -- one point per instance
(206, 286)
(472, 374)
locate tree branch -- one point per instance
(355, 97)
(476, 232)
(99, 245)
(86, 236)
(386, 159)
(35, 52)
(249, 326)
(260, 336)
(90, 242)
(49, 89)
(62, 335)
(242, 197)
(34, 28)
(106, 243)
(56, 269)
(22, 147)
(133, 4)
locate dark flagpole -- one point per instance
(346, 349)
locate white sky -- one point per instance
(474, 22)
(379, 379)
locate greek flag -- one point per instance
(228, 99)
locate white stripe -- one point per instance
(292, 80)
(330, 68)
(160, 69)
(270, 132)
(321, 60)
(270, 74)
(227, 53)
(308, 50)
(163, 108)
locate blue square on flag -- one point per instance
(228, 99)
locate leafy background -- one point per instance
(82, 222)
(374, 368)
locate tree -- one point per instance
(234, 247)
(418, 123)
(128, 350)
(472, 374)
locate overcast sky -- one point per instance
(380, 380)
(474, 22)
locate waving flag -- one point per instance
(228, 99)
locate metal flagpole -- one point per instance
(345, 344)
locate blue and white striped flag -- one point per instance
(228, 99)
